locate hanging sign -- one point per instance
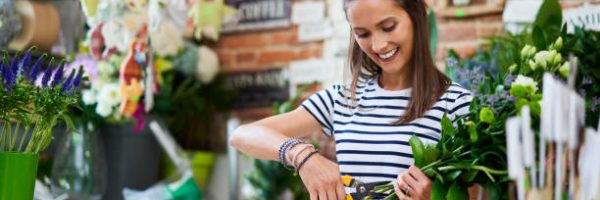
(258, 89)
(253, 15)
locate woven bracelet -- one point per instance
(304, 160)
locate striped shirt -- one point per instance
(368, 146)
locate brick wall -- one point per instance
(263, 50)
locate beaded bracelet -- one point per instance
(284, 148)
(304, 160)
(294, 158)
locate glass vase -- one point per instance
(79, 169)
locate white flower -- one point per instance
(98, 84)
(565, 69)
(541, 58)
(208, 64)
(166, 41)
(106, 69)
(103, 110)
(525, 82)
(110, 95)
(88, 97)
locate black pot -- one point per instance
(132, 158)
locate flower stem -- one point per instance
(24, 135)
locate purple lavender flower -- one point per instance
(587, 81)
(68, 84)
(58, 74)
(14, 70)
(47, 74)
(451, 62)
(35, 69)
(509, 79)
(25, 61)
(78, 78)
(595, 103)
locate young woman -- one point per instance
(396, 92)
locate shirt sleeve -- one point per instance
(320, 106)
(461, 106)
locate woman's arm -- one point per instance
(263, 138)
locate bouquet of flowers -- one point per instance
(34, 97)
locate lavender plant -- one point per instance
(34, 97)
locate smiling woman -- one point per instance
(396, 92)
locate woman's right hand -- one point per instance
(322, 179)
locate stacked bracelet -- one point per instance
(304, 160)
(285, 148)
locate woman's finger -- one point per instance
(409, 180)
(331, 194)
(313, 195)
(399, 193)
(404, 188)
(417, 173)
(341, 193)
(322, 194)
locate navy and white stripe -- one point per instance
(368, 145)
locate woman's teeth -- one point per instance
(388, 54)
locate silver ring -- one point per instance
(407, 190)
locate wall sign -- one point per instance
(587, 16)
(258, 89)
(257, 15)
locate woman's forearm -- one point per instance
(257, 141)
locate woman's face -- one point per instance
(384, 31)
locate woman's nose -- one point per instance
(379, 45)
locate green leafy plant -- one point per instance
(189, 106)
(34, 99)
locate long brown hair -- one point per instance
(428, 83)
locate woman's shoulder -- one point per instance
(457, 91)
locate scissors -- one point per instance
(358, 190)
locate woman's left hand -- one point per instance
(413, 184)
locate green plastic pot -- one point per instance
(17, 175)
(202, 163)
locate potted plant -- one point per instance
(34, 97)
(191, 110)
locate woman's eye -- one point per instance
(362, 35)
(389, 28)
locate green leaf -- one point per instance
(431, 154)
(453, 175)
(447, 126)
(457, 192)
(549, 16)
(473, 133)
(469, 176)
(539, 38)
(67, 119)
(438, 191)
(418, 150)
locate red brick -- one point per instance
(464, 51)
(275, 56)
(453, 32)
(308, 53)
(484, 32)
(246, 57)
(490, 18)
(225, 56)
(286, 36)
(242, 41)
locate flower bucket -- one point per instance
(202, 163)
(17, 175)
